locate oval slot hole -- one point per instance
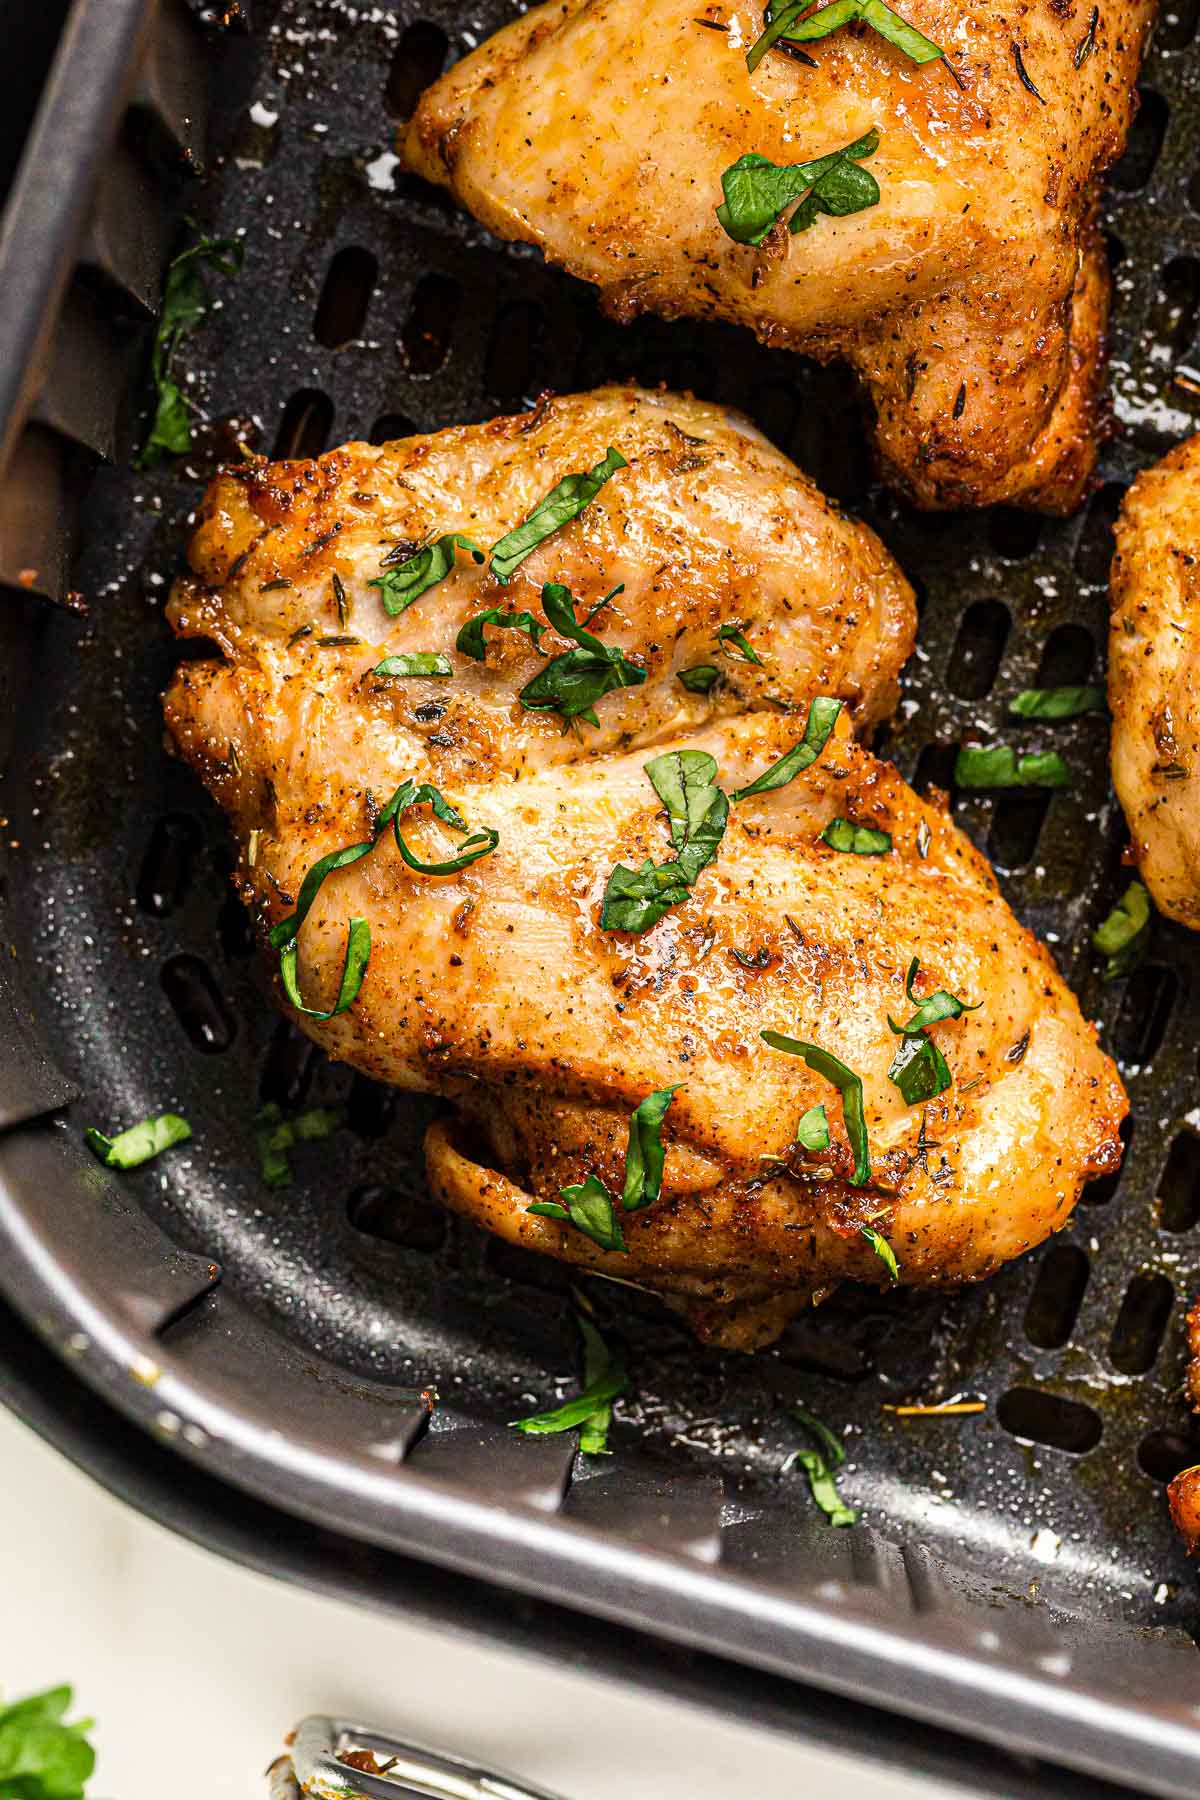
(1068, 658)
(1173, 314)
(198, 1006)
(371, 1107)
(390, 427)
(1179, 1187)
(1049, 1419)
(1177, 28)
(935, 768)
(288, 1070)
(1165, 1454)
(525, 1267)
(514, 351)
(425, 340)
(1145, 1014)
(978, 648)
(1141, 1324)
(1093, 558)
(1017, 826)
(305, 426)
(345, 295)
(1144, 143)
(1014, 535)
(1101, 1191)
(404, 1219)
(167, 865)
(419, 59)
(1057, 1296)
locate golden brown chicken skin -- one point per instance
(1154, 678)
(496, 986)
(972, 300)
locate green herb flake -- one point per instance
(605, 1380)
(415, 662)
(572, 683)
(1058, 702)
(42, 1756)
(700, 679)
(276, 1132)
(563, 503)
(822, 717)
(741, 645)
(140, 1143)
(698, 812)
(405, 582)
(856, 840)
(589, 1205)
(758, 192)
(591, 1209)
(882, 1249)
(848, 1084)
(821, 1466)
(185, 302)
(472, 642)
(786, 23)
(812, 1133)
(919, 1070)
(931, 1011)
(1123, 937)
(1001, 767)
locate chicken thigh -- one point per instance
(502, 973)
(971, 295)
(1154, 678)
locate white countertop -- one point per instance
(191, 1663)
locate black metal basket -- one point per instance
(1015, 1577)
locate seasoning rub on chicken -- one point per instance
(914, 194)
(561, 832)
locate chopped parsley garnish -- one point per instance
(741, 645)
(697, 811)
(1123, 937)
(856, 840)
(1001, 767)
(786, 23)
(472, 642)
(140, 1143)
(812, 1133)
(700, 679)
(758, 192)
(1058, 702)
(882, 1249)
(42, 1757)
(605, 1379)
(822, 717)
(284, 935)
(563, 503)
(275, 1133)
(415, 662)
(918, 1068)
(571, 684)
(589, 1205)
(185, 302)
(405, 582)
(849, 1086)
(821, 1467)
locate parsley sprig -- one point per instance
(42, 1756)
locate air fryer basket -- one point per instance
(279, 1339)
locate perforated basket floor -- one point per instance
(369, 308)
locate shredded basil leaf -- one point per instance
(407, 581)
(42, 1757)
(275, 1133)
(1001, 767)
(284, 936)
(605, 1379)
(589, 1205)
(472, 642)
(636, 899)
(1123, 937)
(932, 1011)
(731, 634)
(786, 24)
(919, 1070)
(882, 1249)
(856, 840)
(700, 679)
(849, 1086)
(812, 1133)
(415, 662)
(185, 302)
(590, 1208)
(1058, 702)
(563, 503)
(698, 812)
(822, 717)
(572, 683)
(758, 192)
(140, 1143)
(821, 1466)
